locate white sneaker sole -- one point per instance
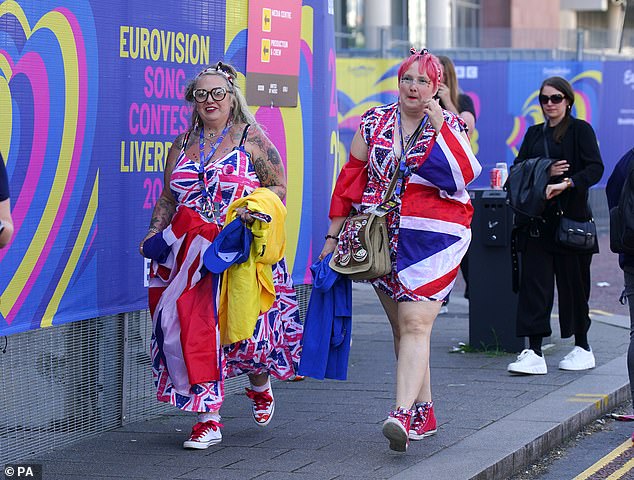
(576, 368)
(538, 370)
(396, 434)
(200, 445)
(414, 436)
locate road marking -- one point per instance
(622, 471)
(611, 457)
(599, 399)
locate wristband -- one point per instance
(153, 230)
(331, 236)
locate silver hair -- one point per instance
(240, 112)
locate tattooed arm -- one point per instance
(166, 205)
(267, 162)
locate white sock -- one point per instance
(263, 388)
(206, 416)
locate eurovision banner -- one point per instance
(91, 99)
(505, 98)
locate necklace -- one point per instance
(406, 136)
(211, 134)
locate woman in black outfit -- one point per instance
(578, 166)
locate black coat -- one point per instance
(579, 147)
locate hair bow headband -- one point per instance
(219, 68)
(423, 51)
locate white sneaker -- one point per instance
(528, 362)
(578, 359)
(204, 435)
(443, 310)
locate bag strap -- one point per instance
(392, 185)
(244, 135)
(515, 261)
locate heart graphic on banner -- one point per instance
(44, 84)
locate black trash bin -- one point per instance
(492, 302)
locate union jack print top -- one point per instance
(228, 178)
(430, 231)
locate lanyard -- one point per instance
(403, 169)
(206, 203)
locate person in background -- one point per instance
(431, 206)
(223, 158)
(6, 222)
(453, 99)
(578, 166)
(626, 262)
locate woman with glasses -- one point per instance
(577, 165)
(428, 219)
(223, 158)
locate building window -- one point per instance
(466, 23)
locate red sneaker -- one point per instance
(423, 421)
(204, 435)
(263, 405)
(396, 427)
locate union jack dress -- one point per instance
(430, 230)
(275, 345)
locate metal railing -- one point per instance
(68, 382)
(493, 43)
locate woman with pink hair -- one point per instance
(428, 220)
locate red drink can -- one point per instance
(496, 179)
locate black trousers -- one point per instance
(539, 271)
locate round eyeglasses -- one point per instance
(422, 81)
(218, 94)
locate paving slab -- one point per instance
(491, 423)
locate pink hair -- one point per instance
(427, 64)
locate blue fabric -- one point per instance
(613, 193)
(328, 326)
(156, 248)
(232, 245)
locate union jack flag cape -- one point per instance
(436, 212)
(183, 299)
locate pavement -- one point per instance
(491, 423)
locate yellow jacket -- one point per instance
(247, 289)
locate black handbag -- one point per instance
(576, 235)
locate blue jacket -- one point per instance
(613, 193)
(328, 325)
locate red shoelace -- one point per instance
(202, 428)
(262, 402)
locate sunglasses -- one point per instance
(554, 99)
(218, 94)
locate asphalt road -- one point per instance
(583, 457)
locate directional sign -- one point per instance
(266, 19)
(273, 52)
(265, 54)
